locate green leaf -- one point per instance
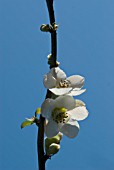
(28, 122)
(38, 111)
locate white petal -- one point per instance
(60, 91)
(79, 103)
(49, 81)
(51, 129)
(70, 129)
(65, 101)
(76, 81)
(58, 73)
(78, 89)
(79, 113)
(47, 107)
(76, 92)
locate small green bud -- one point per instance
(55, 26)
(57, 64)
(49, 141)
(49, 56)
(45, 28)
(56, 139)
(50, 60)
(53, 149)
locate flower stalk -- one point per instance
(40, 139)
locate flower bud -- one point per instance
(55, 26)
(50, 60)
(54, 140)
(45, 28)
(49, 141)
(53, 149)
(49, 56)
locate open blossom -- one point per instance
(62, 115)
(58, 83)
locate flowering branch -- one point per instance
(61, 111)
(40, 140)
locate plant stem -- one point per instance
(53, 34)
(40, 144)
(40, 140)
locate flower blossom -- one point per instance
(62, 115)
(58, 83)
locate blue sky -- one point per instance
(85, 47)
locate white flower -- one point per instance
(62, 115)
(57, 82)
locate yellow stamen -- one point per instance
(59, 115)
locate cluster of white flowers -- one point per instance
(63, 112)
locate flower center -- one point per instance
(59, 115)
(64, 83)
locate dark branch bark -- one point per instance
(40, 143)
(40, 140)
(51, 11)
(53, 34)
(54, 48)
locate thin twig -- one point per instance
(40, 140)
(40, 143)
(53, 34)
